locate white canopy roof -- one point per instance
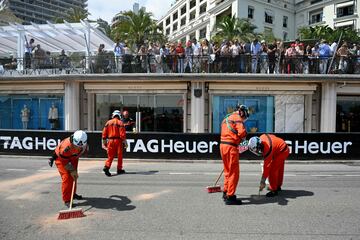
(72, 37)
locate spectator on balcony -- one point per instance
(196, 55)
(39, 56)
(164, 52)
(118, 52)
(180, 53)
(64, 62)
(29, 47)
(299, 58)
(255, 50)
(264, 61)
(151, 57)
(216, 51)
(324, 55)
(100, 60)
(127, 59)
(314, 59)
(235, 55)
(205, 52)
(271, 56)
(306, 61)
(172, 58)
(142, 59)
(225, 57)
(188, 57)
(290, 56)
(343, 53)
(47, 60)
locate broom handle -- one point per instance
(72, 194)
(219, 177)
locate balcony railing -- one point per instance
(243, 63)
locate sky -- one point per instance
(106, 9)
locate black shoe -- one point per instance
(272, 194)
(232, 200)
(107, 172)
(122, 171)
(224, 196)
(78, 197)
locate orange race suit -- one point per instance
(67, 158)
(233, 131)
(275, 152)
(114, 137)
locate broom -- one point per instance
(71, 213)
(215, 188)
(243, 147)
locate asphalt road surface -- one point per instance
(163, 200)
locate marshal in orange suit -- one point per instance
(233, 132)
(66, 157)
(275, 151)
(113, 141)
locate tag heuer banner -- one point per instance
(303, 146)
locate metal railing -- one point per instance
(243, 63)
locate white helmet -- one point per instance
(255, 146)
(79, 138)
(116, 113)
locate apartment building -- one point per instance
(187, 19)
(334, 13)
(40, 11)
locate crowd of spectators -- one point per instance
(239, 57)
(204, 57)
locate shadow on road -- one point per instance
(115, 202)
(281, 199)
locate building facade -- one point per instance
(187, 19)
(191, 103)
(40, 11)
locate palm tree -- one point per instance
(137, 28)
(73, 15)
(231, 28)
(329, 34)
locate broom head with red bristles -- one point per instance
(213, 189)
(71, 213)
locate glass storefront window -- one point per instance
(348, 114)
(261, 109)
(32, 112)
(160, 113)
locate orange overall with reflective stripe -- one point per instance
(275, 152)
(232, 133)
(67, 152)
(115, 134)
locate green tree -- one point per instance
(73, 15)
(329, 34)
(136, 29)
(231, 28)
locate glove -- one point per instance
(262, 184)
(52, 159)
(74, 175)
(104, 143)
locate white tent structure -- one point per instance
(72, 37)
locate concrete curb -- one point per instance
(318, 161)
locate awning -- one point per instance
(72, 37)
(344, 4)
(344, 23)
